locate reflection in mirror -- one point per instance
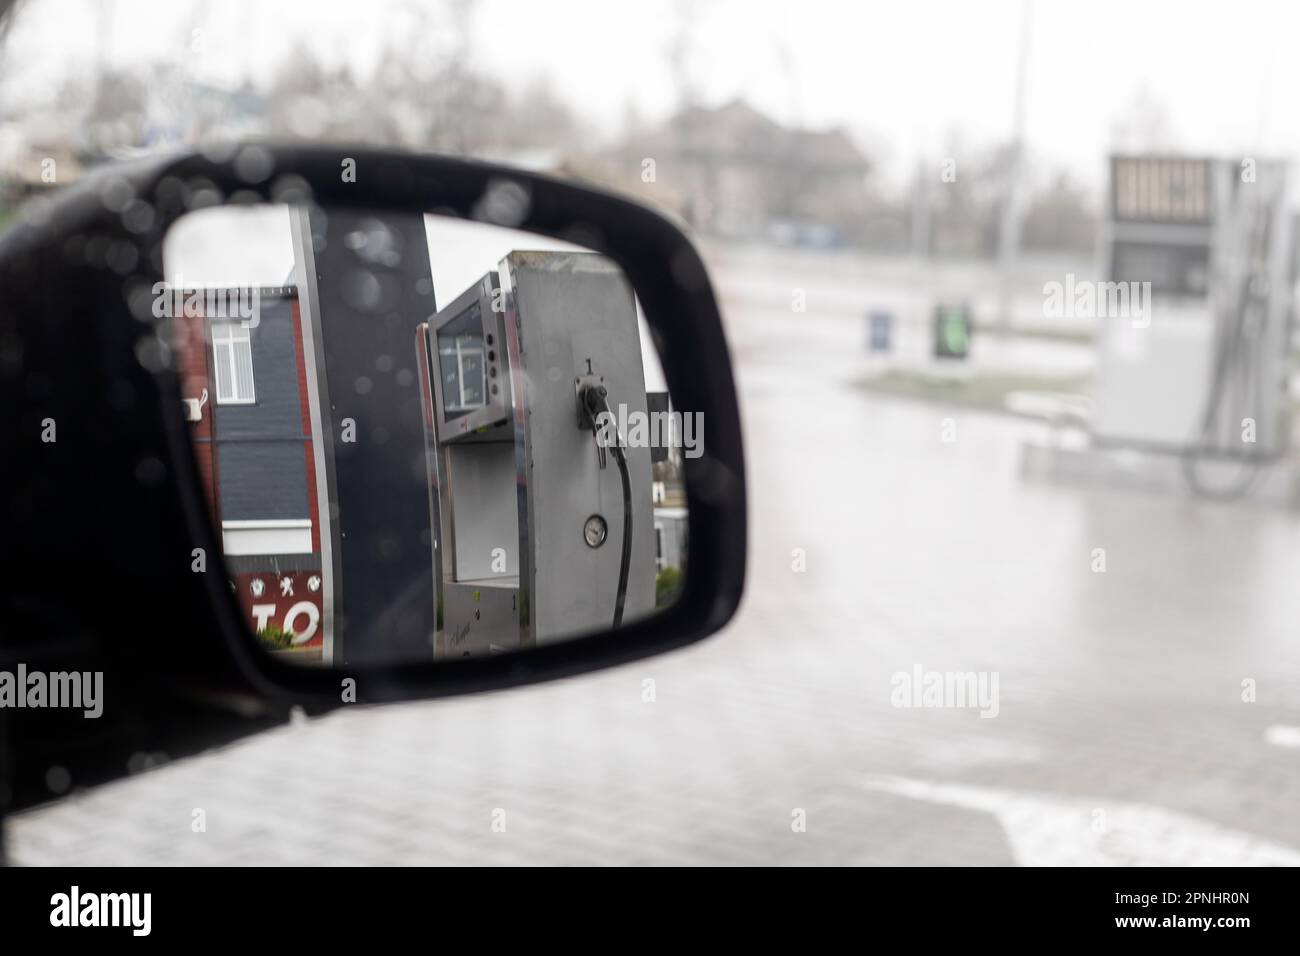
(423, 437)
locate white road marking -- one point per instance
(1048, 830)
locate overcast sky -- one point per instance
(901, 76)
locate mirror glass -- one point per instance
(423, 437)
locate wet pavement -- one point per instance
(1145, 713)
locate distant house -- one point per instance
(734, 172)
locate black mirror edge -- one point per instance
(680, 308)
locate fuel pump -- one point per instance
(526, 375)
(1206, 245)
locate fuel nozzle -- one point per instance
(593, 398)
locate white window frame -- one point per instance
(230, 335)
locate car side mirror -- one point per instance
(363, 425)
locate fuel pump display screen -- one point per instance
(462, 365)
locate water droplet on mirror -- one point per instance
(361, 290)
(58, 780)
(138, 216)
(254, 164)
(115, 193)
(504, 203)
(291, 189)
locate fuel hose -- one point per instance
(596, 399)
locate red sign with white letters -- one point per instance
(289, 600)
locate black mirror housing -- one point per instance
(116, 492)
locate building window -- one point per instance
(232, 358)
